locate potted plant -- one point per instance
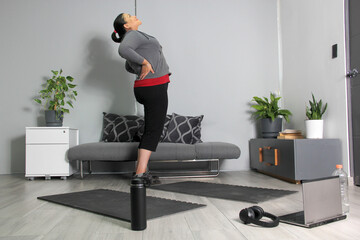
(315, 124)
(57, 92)
(269, 112)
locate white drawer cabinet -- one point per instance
(46, 151)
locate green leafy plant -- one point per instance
(316, 110)
(266, 109)
(57, 92)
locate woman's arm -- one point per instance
(127, 50)
(145, 69)
(129, 68)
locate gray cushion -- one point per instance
(127, 151)
(112, 151)
(174, 151)
(217, 150)
(123, 151)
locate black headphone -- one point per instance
(254, 214)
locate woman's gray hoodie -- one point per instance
(136, 46)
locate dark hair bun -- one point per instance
(115, 38)
(119, 28)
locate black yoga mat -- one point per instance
(117, 204)
(224, 191)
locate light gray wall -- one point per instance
(42, 35)
(309, 28)
(221, 54)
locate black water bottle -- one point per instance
(138, 204)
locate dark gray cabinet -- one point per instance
(297, 159)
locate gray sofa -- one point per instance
(211, 152)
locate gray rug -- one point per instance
(224, 191)
(117, 204)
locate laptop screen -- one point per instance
(321, 199)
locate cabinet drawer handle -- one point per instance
(276, 155)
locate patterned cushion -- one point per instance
(184, 129)
(118, 128)
(138, 135)
(166, 125)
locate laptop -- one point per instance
(321, 203)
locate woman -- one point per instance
(144, 57)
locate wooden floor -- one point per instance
(24, 217)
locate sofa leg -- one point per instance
(89, 165)
(191, 174)
(81, 169)
(216, 170)
(217, 167)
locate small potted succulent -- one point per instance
(57, 92)
(269, 113)
(315, 124)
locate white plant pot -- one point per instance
(314, 128)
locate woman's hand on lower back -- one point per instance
(145, 69)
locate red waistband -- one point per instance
(152, 81)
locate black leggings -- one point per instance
(155, 101)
